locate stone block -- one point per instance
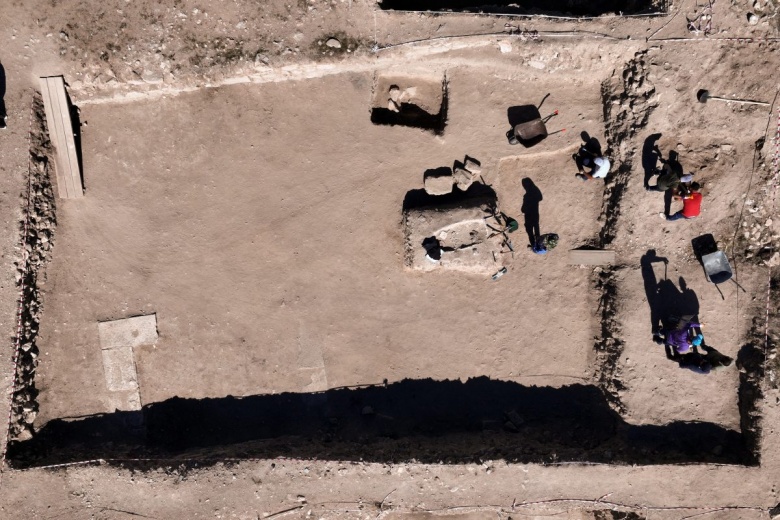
(473, 166)
(438, 184)
(463, 178)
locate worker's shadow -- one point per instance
(591, 145)
(667, 302)
(530, 209)
(650, 157)
(2, 93)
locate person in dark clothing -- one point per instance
(669, 174)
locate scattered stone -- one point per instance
(515, 418)
(473, 166)
(752, 19)
(24, 435)
(64, 36)
(152, 75)
(438, 185)
(505, 47)
(333, 43)
(463, 178)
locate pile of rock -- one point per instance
(462, 174)
(37, 243)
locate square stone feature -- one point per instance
(130, 332)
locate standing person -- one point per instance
(669, 178)
(691, 204)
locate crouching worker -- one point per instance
(598, 165)
(683, 339)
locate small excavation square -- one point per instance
(415, 101)
(285, 271)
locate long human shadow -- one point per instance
(667, 302)
(651, 286)
(559, 7)
(649, 157)
(2, 93)
(530, 209)
(425, 420)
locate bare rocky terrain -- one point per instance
(250, 172)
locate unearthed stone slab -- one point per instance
(438, 184)
(463, 178)
(462, 235)
(125, 401)
(119, 369)
(473, 166)
(129, 332)
(425, 92)
(591, 257)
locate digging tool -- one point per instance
(703, 95)
(511, 249)
(510, 227)
(542, 101)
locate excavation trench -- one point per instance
(577, 8)
(422, 419)
(37, 229)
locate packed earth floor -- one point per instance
(247, 199)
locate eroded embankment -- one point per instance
(37, 228)
(628, 101)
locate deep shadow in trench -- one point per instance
(424, 420)
(580, 8)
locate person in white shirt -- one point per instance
(599, 167)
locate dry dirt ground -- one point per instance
(237, 189)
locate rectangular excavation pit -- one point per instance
(415, 101)
(576, 8)
(251, 274)
(282, 277)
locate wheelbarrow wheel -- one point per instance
(511, 137)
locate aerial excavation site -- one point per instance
(390, 260)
